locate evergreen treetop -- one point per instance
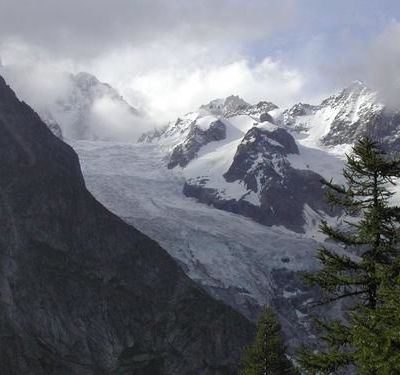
(267, 356)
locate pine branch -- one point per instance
(337, 298)
(339, 236)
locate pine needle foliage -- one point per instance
(372, 237)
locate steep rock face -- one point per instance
(186, 151)
(272, 145)
(186, 137)
(52, 124)
(277, 194)
(357, 109)
(82, 292)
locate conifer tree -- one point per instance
(267, 355)
(376, 334)
(372, 235)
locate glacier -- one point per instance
(235, 259)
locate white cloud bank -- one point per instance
(376, 63)
(164, 81)
(169, 57)
(172, 92)
(382, 64)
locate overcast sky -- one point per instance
(170, 56)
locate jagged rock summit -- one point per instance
(233, 156)
(82, 292)
(237, 169)
(344, 117)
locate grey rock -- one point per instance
(228, 107)
(382, 126)
(186, 151)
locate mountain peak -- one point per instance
(85, 76)
(235, 100)
(87, 109)
(89, 82)
(357, 83)
(351, 95)
(356, 87)
(225, 107)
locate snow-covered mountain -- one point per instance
(343, 118)
(256, 163)
(91, 109)
(267, 163)
(235, 158)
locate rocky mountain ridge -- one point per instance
(81, 291)
(344, 117)
(245, 169)
(320, 133)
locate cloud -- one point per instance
(111, 120)
(164, 80)
(173, 92)
(376, 63)
(82, 29)
(38, 84)
(44, 86)
(382, 62)
(169, 57)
